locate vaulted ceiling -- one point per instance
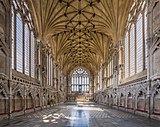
(80, 32)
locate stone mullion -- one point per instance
(35, 56)
(23, 45)
(15, 40)
(47, 68)
(129, 53)
(40, 61)
(30, 53)
(54, 75)
(123, 62)
(135, 41)
(50, 70)
(144, 49)
(120, 62)
(56, 78)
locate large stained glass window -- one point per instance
(80, 81)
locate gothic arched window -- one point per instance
(80, 81)
(23, 42)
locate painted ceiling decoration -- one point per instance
(80, 32)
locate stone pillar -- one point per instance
(100, 78)
(40, 64)
(39, 61)
(115, 68)
(153, 42)
(5, 51)
(55, 85)
(5, 39)
(59, 76)
(24, 104)
(10, 99)
(121, 62)
(135, 103)
(56, 81)
(126, 100)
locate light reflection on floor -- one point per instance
(82, 116)
(79, 114)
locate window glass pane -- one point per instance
(51, 72)
(80, 78)
(145, 32)
(126, 56)
(87, 80)
(72, 87)
(32, 55)
(132, 51)
(77, 88)
(19, 43)
(139, 43)
(12, 38)
(26, 40)
(76, 80)
(82, 88)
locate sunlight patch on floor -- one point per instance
(89, 108)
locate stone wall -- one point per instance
(140, 94)
(19, 93)
(138, 97)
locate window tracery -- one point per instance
(23, 40)
(80, 81)
(135, 45)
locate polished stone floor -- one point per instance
(79, 115)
